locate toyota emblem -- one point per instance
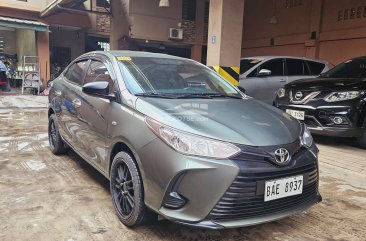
(282, 156)
(298, 95)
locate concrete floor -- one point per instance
(47, 197)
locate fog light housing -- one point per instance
(337, 120)
(174, 201)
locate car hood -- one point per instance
(240, 121)
(328, 83)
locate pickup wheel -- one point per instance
(128, 192)
(361, 141)
(57, 145)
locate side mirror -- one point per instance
(98, 89)
(264, 72)
(242, 89)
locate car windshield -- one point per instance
(355, 68)
(247, 64)
(173, 78)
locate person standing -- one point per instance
(3, 77)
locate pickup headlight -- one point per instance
(190, 144)
(306, 138)
(341, 96)
(281, 93)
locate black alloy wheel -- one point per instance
(57, 145)
(361, 141)
(124, 190)
(127, 191)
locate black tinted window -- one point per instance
(98, 71)
(295, 67)
(75, 72)
(316, 68)
(275, 66)
(247, 64)
(355, 68)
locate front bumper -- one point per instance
(336, 131)
(210, 224)
(227, 193)
(319, 119)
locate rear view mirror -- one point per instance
(98, 89)
(264, 72)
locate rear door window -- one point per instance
(276, 66)
(75, 72)
(295, 67)
(247, 64)
(315, 67)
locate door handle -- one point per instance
(282, 80)
(76, 103)
(58, 92)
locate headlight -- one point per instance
(306, 138)
(281, 93)
(190, 144)
(341, 96)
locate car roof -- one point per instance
(127, 53)
(287, 57)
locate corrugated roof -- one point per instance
(22, 23)
(54, 6)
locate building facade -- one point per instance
(49, 30)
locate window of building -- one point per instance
(189, 10)
(104, 3)
(2, 44)
(293, 3)
(207, 11)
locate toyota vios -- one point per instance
(177, 140)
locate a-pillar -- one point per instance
(43, 52)
(225, 37)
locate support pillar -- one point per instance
(119, 23)
(225, 37)
(43, 52)
(196, 50)
(312, 45)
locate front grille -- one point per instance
(245, 197)
(311, 122)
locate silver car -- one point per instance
(262, 76)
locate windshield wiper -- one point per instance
(218, 95)
(156, 95)
(207, 96)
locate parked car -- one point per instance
(175, 139)
(262, 76)
(332, 104)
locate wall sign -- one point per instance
(213, 39)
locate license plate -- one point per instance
(281, 188)
(300, 115)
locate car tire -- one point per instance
(57, 145)
(128, 192)
(361, 141)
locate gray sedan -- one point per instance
(177, 140)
